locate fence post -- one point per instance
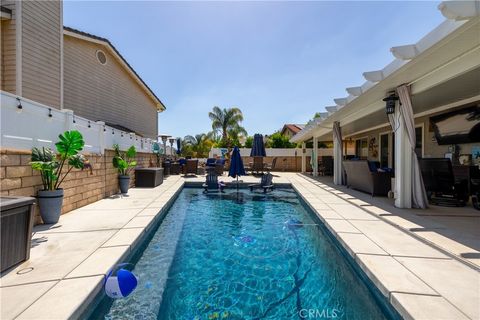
(69, 118)
(101, 136)
(149, 144)
(132, 138)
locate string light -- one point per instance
(19, 105)
(89, 125)
(74, 121)
(50, 112)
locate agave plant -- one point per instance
(51, 165)
(124, 161)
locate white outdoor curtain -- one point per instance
(313, 159)
(419, 195)
(337, 154)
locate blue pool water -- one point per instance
(251, 256)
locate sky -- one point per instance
(279, 62)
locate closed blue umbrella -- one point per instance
(258, 147)
(236, 164)
(179, 145)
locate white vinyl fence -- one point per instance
(274, 152)
(38, 125)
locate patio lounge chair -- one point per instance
(439, 181)
(266, 182)
(257, 166)
(325, 167)
(270, 167)
(212, 183)
(191, 167)
(219, 169)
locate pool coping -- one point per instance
(135, 253)
(405, 302)
(409, 304)
(90, 285)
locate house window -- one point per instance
(361, 148)
(101, 57)
(384, 147)
(418, 141)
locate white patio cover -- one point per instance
(419, 195)
(337, 154)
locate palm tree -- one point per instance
(235, 134)
(214, 136)
(200, 144)
(226, 120)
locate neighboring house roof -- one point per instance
(294, 128)
(93, 38)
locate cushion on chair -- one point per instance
(210, 161)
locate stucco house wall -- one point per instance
(431, 149)
(42, 33)
(105, 92)
(8, 58)
(31, 51)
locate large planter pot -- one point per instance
(124, 182)
(50, 203)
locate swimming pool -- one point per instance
(242, 256)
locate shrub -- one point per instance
(51, 165)
(124, 161)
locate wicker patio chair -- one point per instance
(191, 167)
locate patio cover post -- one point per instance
(304, 158)
(337, 153)
(315, 157)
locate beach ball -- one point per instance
(120, 283)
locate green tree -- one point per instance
(228, 123)
(316, 115)
(278, 140)
(249, 142)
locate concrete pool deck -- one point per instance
(68, 261)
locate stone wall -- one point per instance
(81, 187)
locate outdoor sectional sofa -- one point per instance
(362, 176)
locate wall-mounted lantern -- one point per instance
(390, 102)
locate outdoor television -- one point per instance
(459, 126)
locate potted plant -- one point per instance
(51, 166)
(124, 162)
